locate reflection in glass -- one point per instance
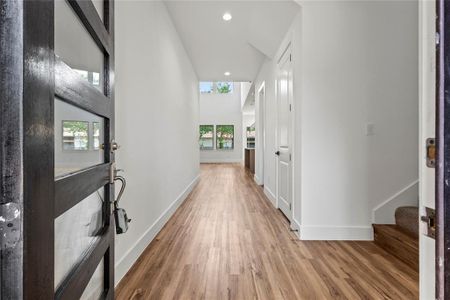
(78, 138)
(75, 135)
(98, 4)
(75, 46)
(94, 289)
(96, 135)
(75, 231)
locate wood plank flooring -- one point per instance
(227, 241)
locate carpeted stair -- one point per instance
(401, 239)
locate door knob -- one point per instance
(277, 153)
(114, 146)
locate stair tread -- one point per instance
(397, 242)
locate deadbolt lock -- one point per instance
(431, 153)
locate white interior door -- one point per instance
(284, 166)
(427, 110)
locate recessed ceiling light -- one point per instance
(227, 17)
(227, 73)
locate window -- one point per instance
(207, 87)
(96, 135)
(91, 77)
(75, 135)
(224, 87)
(206, 140)
(251, 137)
(225, 137)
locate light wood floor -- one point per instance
(227, 241)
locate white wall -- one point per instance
(156, 122)
(222, 109)
(355, 63)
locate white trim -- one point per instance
(220, 160)
(295, 225)
(129, 258)
(405, 197)
(338, 233)
(271, 196)
(257, 180)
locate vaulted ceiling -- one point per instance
(238, 46)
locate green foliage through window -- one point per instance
(224, 87)
(206, 139)
(209, 87)
(75, 135)
(225, 137)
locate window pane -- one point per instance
(251, 133)
(98, 4)
(225, 137)
(206, 137)
(224, 87)
(75, 135)
(206, 87)
(96, 135)
(78, 139)
(75, 46)
(94, 289)
(75, 231)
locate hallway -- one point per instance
(226, 241)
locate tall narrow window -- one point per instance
(225, 137)
(206, 140)
(75, 135)
(251, 137)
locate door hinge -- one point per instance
(437, 38)
(290, 157)
(431, 152)
(430, 219)
(290, 107)
(290, 57)
(290, 206)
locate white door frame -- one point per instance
(427, 91)
(261, 134)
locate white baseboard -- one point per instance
(336, 233)
(408, 196)
(257, 180)
(271, 196)
(295, 225)
(220, 160)
(126, 262)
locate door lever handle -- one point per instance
(277, 153)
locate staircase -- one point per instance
(401, 239)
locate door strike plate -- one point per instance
(430, 219)
(431, 153)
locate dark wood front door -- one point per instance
(57, 128)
